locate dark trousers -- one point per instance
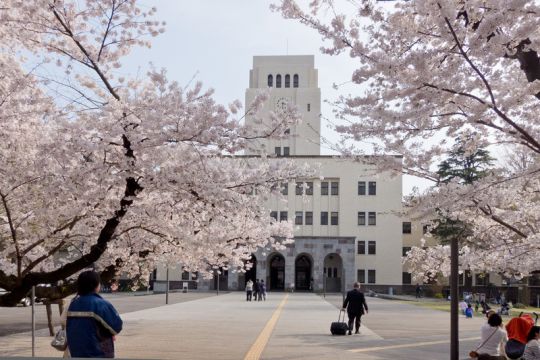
(248, 295)
(352, 318)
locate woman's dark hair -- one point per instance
(495, 320)
(87, 282)
(532, 334)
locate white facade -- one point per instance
(347, 224)
(331, 211)
(272, 72)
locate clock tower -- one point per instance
(291, 80)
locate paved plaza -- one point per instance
(286, 326)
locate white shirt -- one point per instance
(494, 338)
(532, 350)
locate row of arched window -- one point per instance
(287, 80)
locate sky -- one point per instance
(214, 41)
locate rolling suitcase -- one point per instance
(339, 327)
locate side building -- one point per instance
(347, 221)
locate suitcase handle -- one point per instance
(339, 316)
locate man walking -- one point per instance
(355, 304)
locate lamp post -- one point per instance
(167, 290)
(454, 297)
(217, 282)
(33, 302)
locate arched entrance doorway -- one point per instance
(221, 280)
(333, 273)
(251, 274)
(276, 280)
(302, 273)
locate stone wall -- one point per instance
(316, 249)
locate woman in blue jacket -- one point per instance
(92, 321)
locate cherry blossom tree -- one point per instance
(429, 71)
(98, 169)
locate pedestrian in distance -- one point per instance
(92, 322)
(469, 311)
(356, 306)
(263, 290)
(249, 290)
(418, 291)
(256, 289)
(532, 349)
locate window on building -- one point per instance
(406, 278)
(277, 151)
(287, 81)
(335, 272)
(425, 229)
(372, 218)
(372, 248)
(308, 107)
(334, 218)
(273, 214)
(361, 188)
(481, 279)
(324, 217)
(405, 250)
(371, 276)
(299, 188)
(283, 216)
(334, 188)
(309, 188)
(407, 227)
(372, 188)
(461, 279)
(295, 80)
(278, 80)
(361, 276)
(324, 188)
(299, 218)
(270, 80)
(286, 151)
(285, 188)
(361, 247)
(195, 275)
(185, 275)
(361, 218)
(309, 217)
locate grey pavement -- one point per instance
(227, 327)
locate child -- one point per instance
(469, 311)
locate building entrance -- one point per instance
(302, 273)
(277, 272)
(251, 274)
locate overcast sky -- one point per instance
(215, 41)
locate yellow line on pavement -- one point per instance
(401, 346)
(258, 346)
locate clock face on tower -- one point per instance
(282, 104)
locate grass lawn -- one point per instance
(445, 306)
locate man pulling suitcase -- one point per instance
(355, 304)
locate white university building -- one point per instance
(347, 225)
